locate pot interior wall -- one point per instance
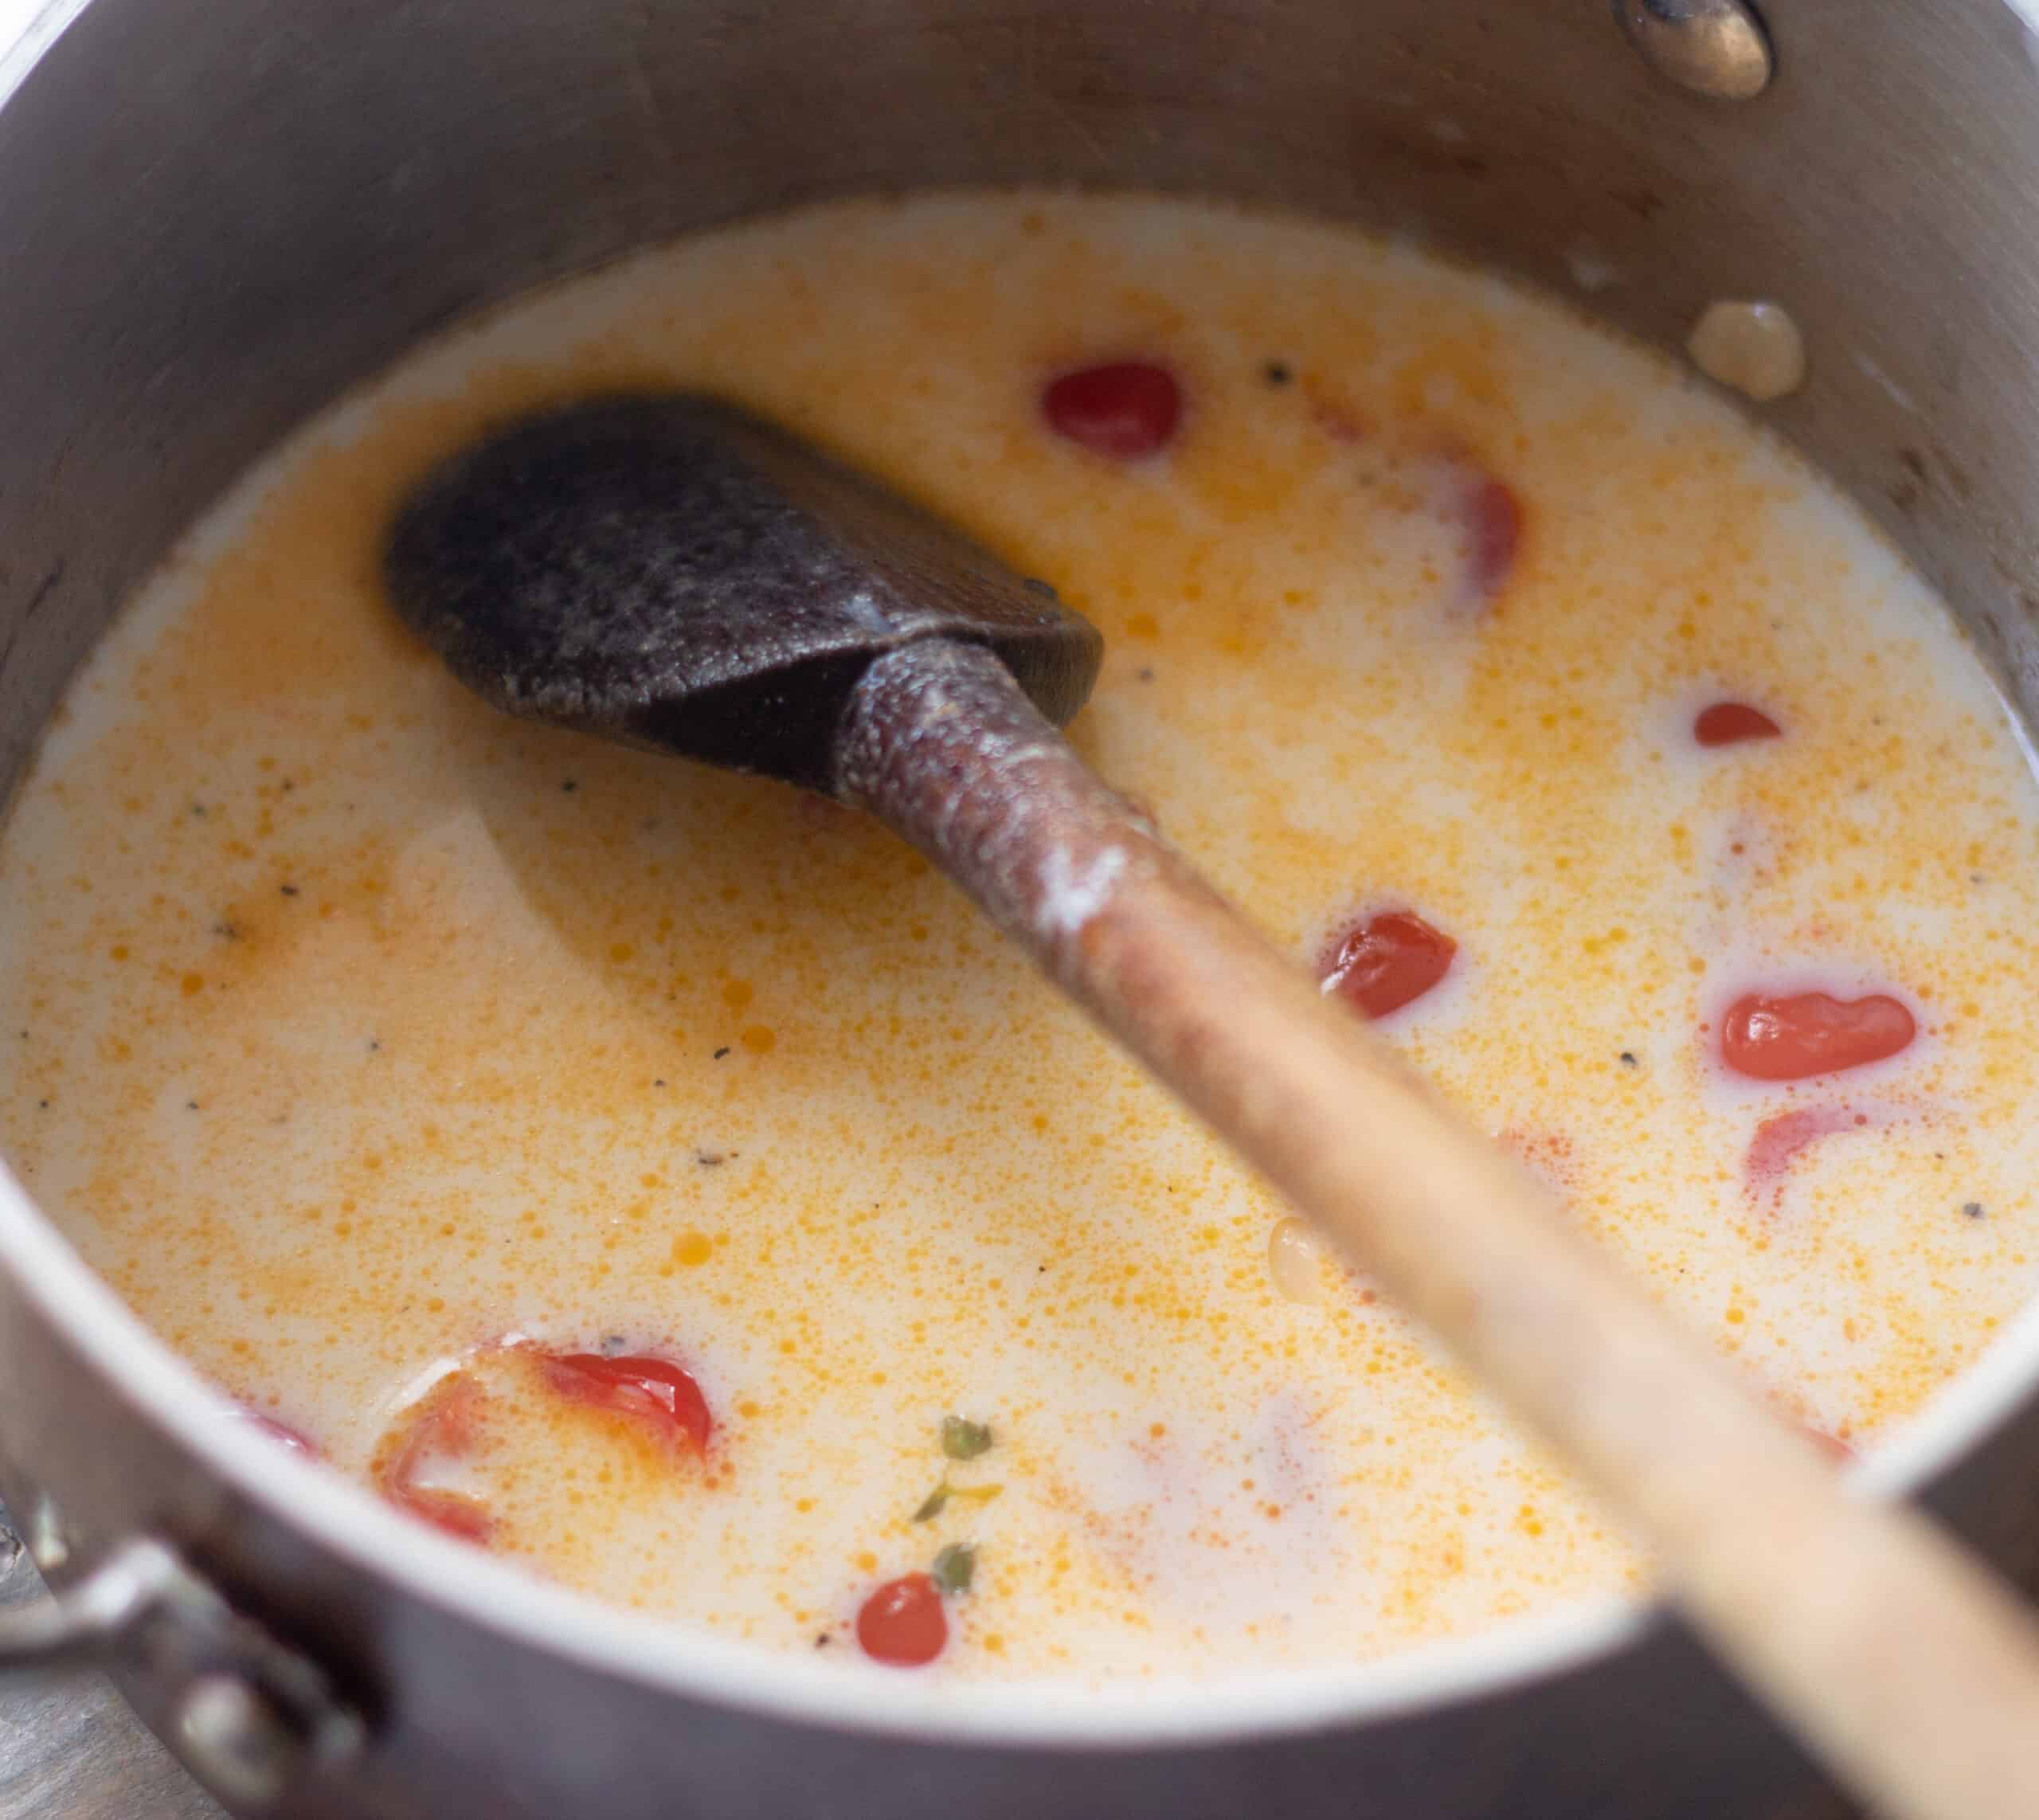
(179, 282)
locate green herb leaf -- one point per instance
(954, 1566)
(965, 1440)
(931, 1506)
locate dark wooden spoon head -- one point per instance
(670, 572)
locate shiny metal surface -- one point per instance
(236, 1740)
(216, 214)
(70, 1748)
(48, 1540)
(1714, 48)
(248, 1717)
(87, 1620)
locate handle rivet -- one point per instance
(234, 1740)
(48, 1540)
(1714, 48)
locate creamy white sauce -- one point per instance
(353, 1038)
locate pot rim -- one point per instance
(347, 1519)
(22, 45)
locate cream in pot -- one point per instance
(384, 1054)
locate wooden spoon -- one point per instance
(669, 571)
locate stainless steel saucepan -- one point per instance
(216, 215)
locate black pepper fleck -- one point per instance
(1146, 674)
(709, 1159)
(569, 786)
(288, 890)
(198, 809)
(821, 1641)
(1628, 1058)
(722, 1051)
(1277, 372)
(190, 1106)
(374, 1043)
(226, 932)
(658, 1083)
(42, 1105)
(1973, 1209)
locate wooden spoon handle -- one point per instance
(1895, 1656)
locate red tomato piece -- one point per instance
(1795, 1038)
(1336, 418)
(1832, 1445)
(1731, 723)
(1126, 410)
(1389, 961)
(283, 1433)
(1779, 1139)
(1493, 533)
(451, 1512)
(442, 1425)
(902, 1624)
(654, 1392)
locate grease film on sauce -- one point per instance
(664, 1180)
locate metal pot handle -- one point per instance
(247, 1716)
(87, 1621)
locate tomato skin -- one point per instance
(1778, 1140)
(1793, 1037)
(652, 1391)
(1334, 415)
(1732, 723)
(902, 1624)
(282, 1434)
(443, 1423)
(447, 1512)
(1830, 1446)
(1126, 410)
(1388, 961)
(1493, 531)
